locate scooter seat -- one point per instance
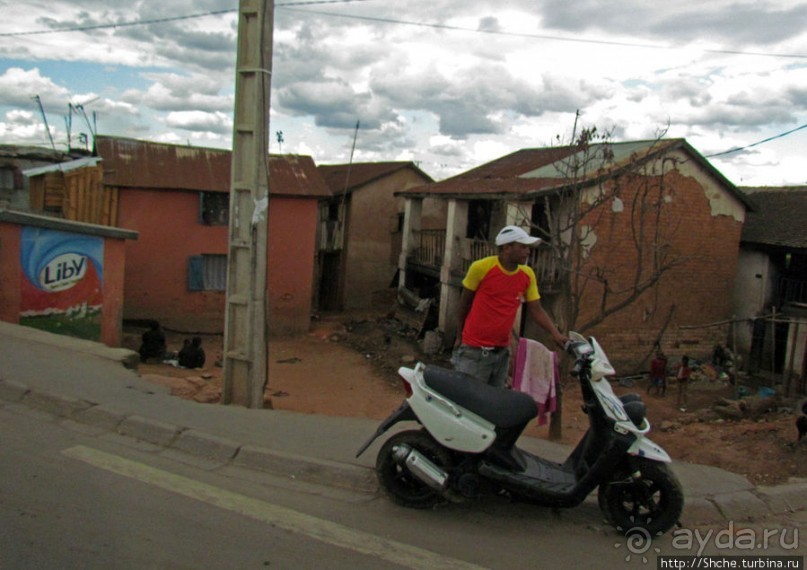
(503, 408)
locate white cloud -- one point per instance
(478, 80)
(199, 121)
(173, 92)
(18, 87)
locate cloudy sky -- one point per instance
(450, 84)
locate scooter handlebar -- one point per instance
(581, 351)
(578, 348)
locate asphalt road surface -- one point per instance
(72, 496)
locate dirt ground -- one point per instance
(346, 366)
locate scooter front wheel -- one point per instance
(651, 502)
(402, 486)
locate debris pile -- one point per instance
(751, 407)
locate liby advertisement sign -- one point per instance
(63, 272)
(62, 282)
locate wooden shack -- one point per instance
(73, 191)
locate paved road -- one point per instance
(75, 497)
(99, 469)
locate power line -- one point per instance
(119, 24)
(290, 7)
(314, 2)
(532, 36)
(769, 139)
(128, 24)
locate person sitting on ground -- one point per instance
(192, 354)
(153, 345)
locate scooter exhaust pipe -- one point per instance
(420, 466)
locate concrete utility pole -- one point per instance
(245, 338)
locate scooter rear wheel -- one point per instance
(404, 488)
(650, 504)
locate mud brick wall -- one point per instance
(700, 229)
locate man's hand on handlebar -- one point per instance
(562, 341)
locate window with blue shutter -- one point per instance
(207, 272)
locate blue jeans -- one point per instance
(488, 365)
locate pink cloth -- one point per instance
(536, 373)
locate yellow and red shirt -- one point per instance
(498, 295)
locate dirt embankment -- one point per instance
(347, 367)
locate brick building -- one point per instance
(360, 231)
(178, 199)
(652, 254)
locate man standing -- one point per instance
(493, 291)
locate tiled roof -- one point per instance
(780, 218)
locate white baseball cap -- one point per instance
(510, 234)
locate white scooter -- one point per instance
(466, 447)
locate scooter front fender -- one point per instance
(403, 414)
(644, 447)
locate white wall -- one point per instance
(752, 292)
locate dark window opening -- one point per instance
(333, 211)
(479, 215)
(215, 208)
(540, 220)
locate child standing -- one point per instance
(684, 372)
(658, 374)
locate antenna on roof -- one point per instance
(45, 120)
(279, 135)
(341, 207)
(68, 123)
(91, 127)
(350, 163)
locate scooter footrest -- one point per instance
(540, 475)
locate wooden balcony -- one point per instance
(430, 250)
(430, 246)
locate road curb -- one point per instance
(145, 429)
(62, 406)
(786, 498)
(308, 469)
(12, 391)
(739, 505)
(102, 416)
(700, 510)
(193, 442)
(207, 446)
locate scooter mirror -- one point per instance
(580, 349)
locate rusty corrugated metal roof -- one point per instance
(133, 163)
(518, 163)
(34, 153)
(481, 188)
(544, 170)
(361, 173)
(535, 170)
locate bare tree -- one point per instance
(599, 194)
